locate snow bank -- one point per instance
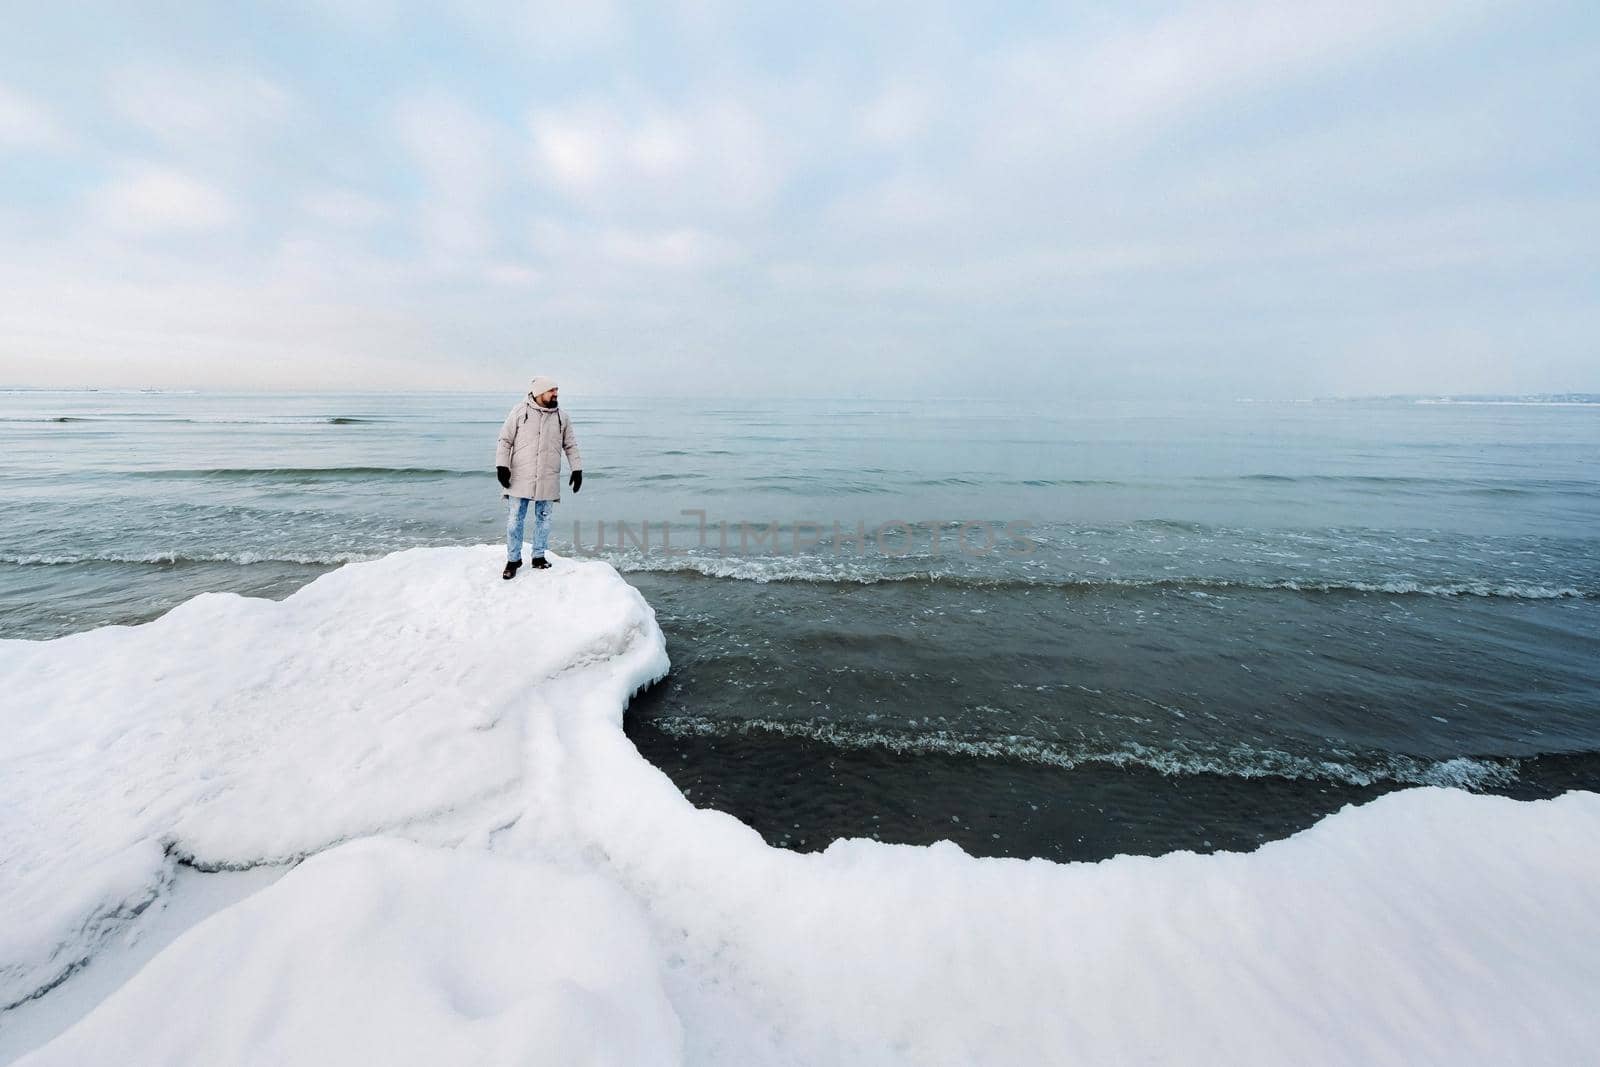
(193, 896)
(421, 696)
(386, 952)
(234, 732)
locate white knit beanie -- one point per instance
(541, 385)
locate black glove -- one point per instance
(504, 474)
(576, 481)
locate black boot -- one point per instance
(539, 562)
(511, 569)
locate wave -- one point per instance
(985, 481)
(304, 473)
(325, 559)
(783, 569)
(848, 481)
(763, 569)
(1490, 486)
(218, 420)
(1051, 482)
(1239, 761)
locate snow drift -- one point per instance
(385, 952)
(496, 875)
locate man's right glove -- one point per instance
(504, 474)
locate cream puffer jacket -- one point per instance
(531, 443)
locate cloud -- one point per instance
(612, 256)
(25, 124)
(365, 16)
(573, 150)
(683, 249)
(512, 275)
(1065, 89)
(148, 199)
(717, 155)
(545, 28)
(201, 110)
(461, 161)
(903, 201)
(897, 116)
(344, 208)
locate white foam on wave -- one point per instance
(1404, 587)
(870, 571)
(37, 559)
(876, 568)
(567, 904)
(1181, 758)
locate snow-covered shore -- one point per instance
(497, 876)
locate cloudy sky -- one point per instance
(1196, 199)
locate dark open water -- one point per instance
(1218, 623)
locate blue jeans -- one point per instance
(541, 527)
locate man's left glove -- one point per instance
(576, 481)
(504, 474)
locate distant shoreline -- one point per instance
(1465, 399)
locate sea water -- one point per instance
(1064, 630)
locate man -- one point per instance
(527, 461)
